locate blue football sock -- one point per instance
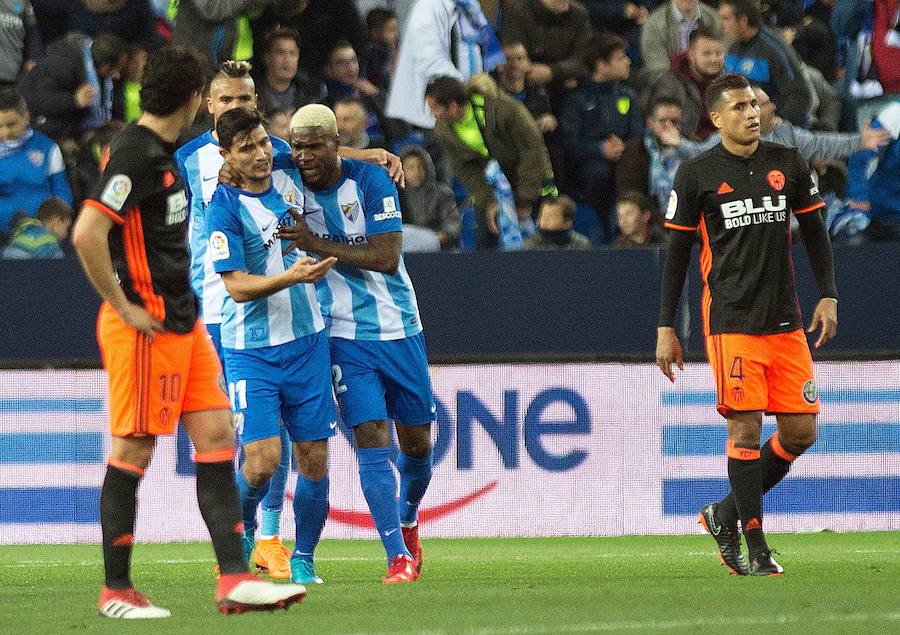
(415, 475)
(273, 501)
(310, 514)
(250, 496)
(379, 487)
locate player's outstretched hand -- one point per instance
(137, 317)
(825, 316)
(229, 176)
(298, 233)
(668, 351)
(306, 269)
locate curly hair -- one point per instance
(171, 76)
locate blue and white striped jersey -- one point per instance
(241, 228)
(357, 303)
(199, 161)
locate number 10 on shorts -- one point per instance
(237, 394)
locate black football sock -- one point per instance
(221, 511)
(775, 463)
(745, 476)
(117, 514)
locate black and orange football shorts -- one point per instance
(770, 373)
(152, 383)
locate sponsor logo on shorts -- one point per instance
(218, 246)
(116, 192)
(810, 394)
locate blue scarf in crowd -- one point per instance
(478, 34)
(9, 148)
(100, 110)
(663, 166)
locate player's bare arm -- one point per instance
(243, 286)
(825, 317)
(818, 248)
(378, 156)
(90, 237)
(381, 253)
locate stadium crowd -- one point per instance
(518, 121)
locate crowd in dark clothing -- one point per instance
(615, 89)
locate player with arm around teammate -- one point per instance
(380, 370)
(273, 334)
(738, 196)
(130, 238)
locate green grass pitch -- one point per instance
(834, 583)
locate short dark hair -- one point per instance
(108, 49)
(237, 122)
(54, 207)
(281, 33)
(640, 200)
(171, 76)
(340, 44)
(349, 101)
(749, 8)
(728, 81)
(703, 31)
(446, 89)
(601, 47)
(378, 17)
(663, 100)
(10, 99)
(566, 206)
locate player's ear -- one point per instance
(715, 118)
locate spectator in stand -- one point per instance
(384, 43)
(477, 123)
(430, 214)
(667, 32)
(280, 83)
(352, 122)
(70, 90)
(555, 33)
(31, 165)
(648, 165)
(90, 154)
(813, 146)
(209, 25)
(760, 53)
(319, 23)
(691, 73)
(52, 19)
(635, 217)
(886, 44)
(40, 237)
(450, 38)
(779, 14)
(132, 20)
(625, 18)
(596, 121)
(278, 123)
(342, 80)
(883, 186)
(20, 40)
(513, 77)
(814, 42)
(555, 228)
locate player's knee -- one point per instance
(312, 459)
(799, 440)
(260, 463)
(415, 441)
(371, 434)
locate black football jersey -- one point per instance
(741, 208)
(142, 191)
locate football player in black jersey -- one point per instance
(739, 196)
